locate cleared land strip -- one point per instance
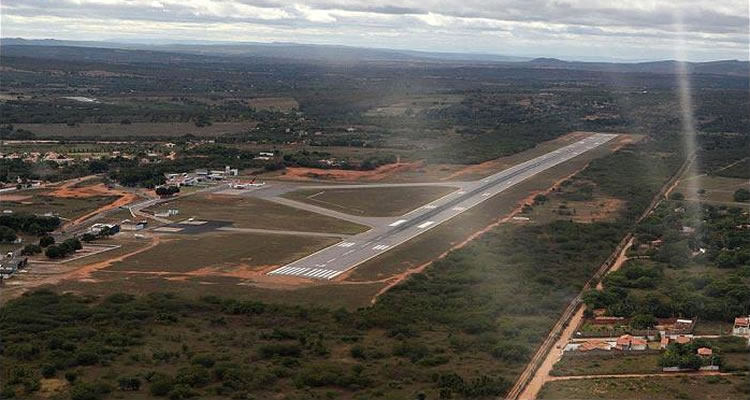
(388, 233)
(625, 376)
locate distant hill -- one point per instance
(722, 67)
(292, 51)
(112, 51)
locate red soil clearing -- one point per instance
(382, 172)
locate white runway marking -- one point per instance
(425, 225)
(485, 194)
(397, 223)
(346, 244)
(381, 247)
(430, 206)
(458, 208)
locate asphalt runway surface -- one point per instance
(334, 260)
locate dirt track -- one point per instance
(68, 190)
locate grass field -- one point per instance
(66, 207)
(717, 188)
(374, 202)
(414, 104)
(614, 363)
(145, 129)
(221, 252)
(273, 103)
(247, 212)
(662, 388)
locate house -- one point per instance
(595, 344)
(628, 343)
(741, 326)
(705, 352)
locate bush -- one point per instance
(89, 391)
(510, 352)
(161, 387)
(195, 376)
(742, 195)
(129, 383)
(279, 349)
(677, 196)
(205, 360)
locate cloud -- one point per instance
(708, 29)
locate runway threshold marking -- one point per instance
(381, 247)
(346, 244)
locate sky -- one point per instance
(697, 30)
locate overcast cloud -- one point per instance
(624, 29)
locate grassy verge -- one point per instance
(183, 253)
(247, 212)
(374, 202)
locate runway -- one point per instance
(334, 260)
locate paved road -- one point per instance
(334, 260)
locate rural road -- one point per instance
(388, 233)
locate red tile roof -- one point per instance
(705, 351)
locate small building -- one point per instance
(687, 230)
(128, 225)
(705, 352)
(168, 213)
(741, 326)
(97, 228)
(631, 343)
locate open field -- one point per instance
(146, 129)
(717, 188)
(606, 364)
(42, 202)
(273, 103)
(239, 253)
(374, 202)
(247, 212)
(411, 105)
(662, 388)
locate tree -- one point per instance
(643, 321)
(165, 191)
(30, 250)
(46, 240)
(7, 234)
(742, 195)
(54, 251)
